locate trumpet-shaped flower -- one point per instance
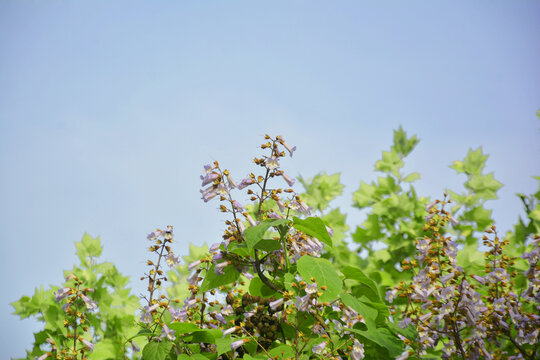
(88, 344)
(357, 350)
(62, 294)
(318, 349)
(167, 333)
(90, 304)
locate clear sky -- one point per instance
(109, 110)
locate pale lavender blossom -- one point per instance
(62, 294)
(248, 275)
(232, 183)
(288, 147)
(88, 344)
(188, 303)
(276, 304)
(209, 195)
(311, 288)
(219, 268)
(391, 295)
(235, 345)
(172, 260)
(231, 330)
(357, 350)
(250, 220)
(274, 215)
(90, 304)
(318, 349)
(167, 333)
(209, 178)
(272, 163)
(42, 357)
(288, 179)
(135, 347)
(280, 205)
(237, 206)
(146, 316)
(246, 182)
(193, 279)
(193, 265)
(214, 247)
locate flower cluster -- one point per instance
(77, 303)
(282, 314)
(152, 313)
(469, 314)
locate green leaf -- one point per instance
(224, 345)
(206, 336)
(88, 247)
(255, 234)
(355, 273)
(324, 274)
(321, 189)
(288, 280)
(213, 280)
(365, 195)
(313, 226)
(268, 245)
(383, 338)
(258, 288)
(191, 357)
(183, 328)
(484, 186)
(104, 349)
(369, 313)
(157, 350)
(282, 352)
(412, 177)
(390, 163)
(256, 357)
(402, 144)
(473, 164)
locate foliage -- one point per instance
(109, 325)
(283, 282)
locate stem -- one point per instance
(156, 272)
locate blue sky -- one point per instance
(109, 110)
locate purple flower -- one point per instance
(275, 304)
(391, 295)
(62, 294)
(42, 357)
(357, 350)
(238, 206)
(167, 333)
(318, 349)
(88, 344)
(146, 316)
(232, 183)
(231, 330)
(288, 179)
(250, 220)
(209, 178)
(135, 347)
(194, 264)
(172, 260)
(246, 182)
(274, 215)
(272, 163)
(90, 304)
(235, 345)
(218, 270)
(289, 148)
